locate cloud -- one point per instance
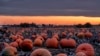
(50, 7)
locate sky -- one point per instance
(58, 20)
(59, 11)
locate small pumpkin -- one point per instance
(68, 43)
(52, 43)
(37, 42)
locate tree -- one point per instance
(87, 25)
(24, 25)
(79, 25)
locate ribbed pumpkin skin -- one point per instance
(37, 42)
(68, 43)
(26, 45)
(81, 35)
(52, 43)
(86, 48)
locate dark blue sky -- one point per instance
(50, 7)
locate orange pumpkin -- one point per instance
(37, 42)
(55, 36)
(19, 41)
(26, 45)
(9, 51)
(61, 54)
(41, 52)
(68, 43)
(40, 37)
(86, 48)
(14, 44)
(52, 43)
(80, 35)
(88, 34)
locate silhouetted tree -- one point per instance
(87, 25)
(79, 25)
(24, 25)
(43, 25)
(33, 25)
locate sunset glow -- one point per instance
(68, 20)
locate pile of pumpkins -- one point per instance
(25, 45)
(84, 49)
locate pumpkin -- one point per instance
(88, 34)
(37, 42)
(19, 41)
(52, 43)
(41, 52)
(86, 48)
(80, 35)
(40, 37)
(27, 45)
(55, 36)
(9, 51)
(68, 43)
(14, 44)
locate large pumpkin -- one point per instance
(41, 52)
(68, 43)
(9, 51)
(52, 43)
(37, 42)
(86, 48)
(26, 45)
(61, 54)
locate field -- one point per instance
(79, 35)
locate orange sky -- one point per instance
(69, 20)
